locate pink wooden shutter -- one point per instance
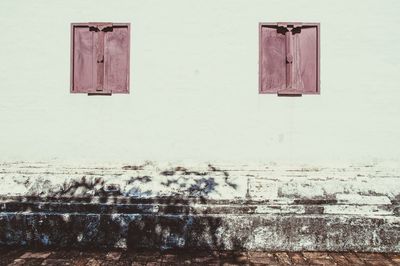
(289, 58)
(100, 58)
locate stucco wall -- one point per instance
(194, 84)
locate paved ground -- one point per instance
(115, 258)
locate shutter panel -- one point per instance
(117, 59)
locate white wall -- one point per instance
(194, 83)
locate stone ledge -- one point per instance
(176, 206)
(258, 207)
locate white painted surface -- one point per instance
(376, 184)
(194, 84)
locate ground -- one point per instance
(94, 258)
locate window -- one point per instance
(100, 58)
(289, 58)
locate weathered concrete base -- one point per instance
(226, 232)
(334, 209)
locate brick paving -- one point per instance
(132, 258)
